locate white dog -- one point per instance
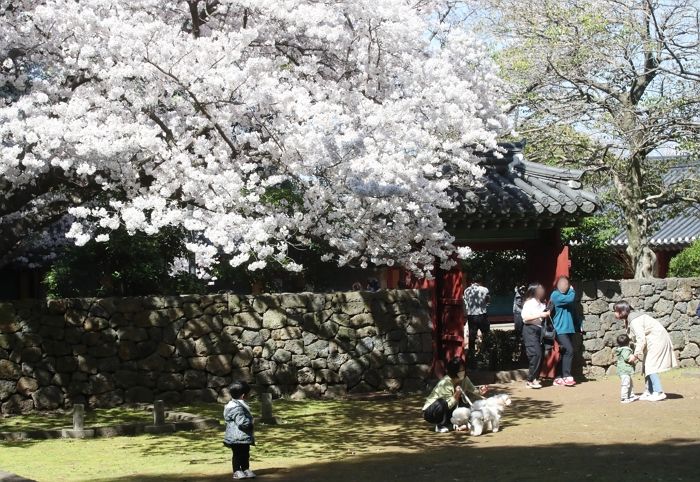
(476, 421)
(487, 413)
(460, 419)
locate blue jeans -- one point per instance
(653, 383)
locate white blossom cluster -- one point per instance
(254, 124)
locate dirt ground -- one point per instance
(557, 433)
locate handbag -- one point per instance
(548, 334)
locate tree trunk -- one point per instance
(637, 222)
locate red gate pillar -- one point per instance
(548, 259)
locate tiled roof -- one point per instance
(678, 231)
(515, 193)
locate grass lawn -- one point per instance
(57, 420)
(580, 433)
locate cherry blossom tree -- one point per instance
(256, 125)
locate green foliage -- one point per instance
(126, 265)
(500, 271)
(686, 264)
(592, 257)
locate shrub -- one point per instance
(686, 264)
(126, 265)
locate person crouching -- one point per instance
(444, 398)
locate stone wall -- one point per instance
(105, 352)
(672, 301)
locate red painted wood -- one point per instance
(563, 262)
(450, 286)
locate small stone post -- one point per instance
(78, 430)
(266, 408)
(159, 425)
(158, 413)
(78, 416)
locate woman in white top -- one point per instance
(534, 312)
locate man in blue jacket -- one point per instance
(565, 325)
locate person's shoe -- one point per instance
(657, 397)
(249, 474)
(533, 385)
(559, 382)
(239, 474)
(570, 382)
(645, 396)
(633, 398)
(441, 429)
(628, 400)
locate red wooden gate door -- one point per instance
(449, 314)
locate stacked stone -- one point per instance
(105, 352)
(673, 301)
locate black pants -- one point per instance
(476, 323)
(240, 457)
(533, 350)
(438, 413)
(566, 352)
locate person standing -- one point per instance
(239, 435)
(476, 302)
(652, 344)
(518, 301)
(566, 325)
(534, 312)
(625, 369)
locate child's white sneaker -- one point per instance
(249, 474)
(629, 400)
(441, 429)
(645, 396)
(239, 474)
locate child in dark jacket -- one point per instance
(239, 430)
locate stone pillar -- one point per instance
(159, 425)
(78, 416)
(78, 430)
(158, 412)
(266, 408)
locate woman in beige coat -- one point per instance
(652, 344)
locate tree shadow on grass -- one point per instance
(58, 419)
(336, 429)
(673, 459)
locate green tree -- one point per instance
(126, 265)
(592, 256)
(686, 264)
(606, 84)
